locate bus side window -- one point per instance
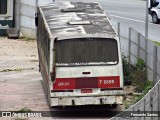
(3, 6)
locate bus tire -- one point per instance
(114, 105)
(155, 18)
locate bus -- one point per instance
(79, 55)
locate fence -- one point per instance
(149, 105)
(134, 45)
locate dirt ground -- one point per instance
(19, 66)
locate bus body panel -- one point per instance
(94, 72)
(93, 100)
(78, 84)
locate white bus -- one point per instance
(79, 55)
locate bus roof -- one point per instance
(76, 19)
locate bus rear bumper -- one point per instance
(76, 101)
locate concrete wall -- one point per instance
(149, 104)
(25, 14)
(134, 45)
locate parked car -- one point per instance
(154, 10)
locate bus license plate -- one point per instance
(86, 91)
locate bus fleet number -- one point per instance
(106, 81)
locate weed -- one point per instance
(140, 65)
(126, 69)
(27, 38)
(16, 69)
(25, 109)
(9, 70)
(157, 43)
(135, 98)
(34, 60)
(140, 75)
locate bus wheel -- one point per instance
(114, 105)
(155, 18)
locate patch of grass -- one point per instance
(34, 60)
(135, 98)
(126, 104)
(126, 69)
(157, 43)
(9, 70)
(140, 75)
(25, 109)
(147, 86)
(16, 69)
(27, 38)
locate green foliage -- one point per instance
(25, 109)
(16, 69)
(140, 75)
(126, 69)
(9, 70)
(134, 73)
(34, 60)
(157, 43)
(147, 86)
(27, 39)
(140, 65)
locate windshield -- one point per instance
(86, 51)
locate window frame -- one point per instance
(6, 7)
(99, 64)
(9, 11)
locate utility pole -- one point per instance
(146, 22)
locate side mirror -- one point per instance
(36, 19)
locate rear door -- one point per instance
(87, 65)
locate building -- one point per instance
(19, 14)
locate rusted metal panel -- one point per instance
(58, 24)
(96, 92)
(57, 20)
(68, 101)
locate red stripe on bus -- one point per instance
(64, 84)
(87, 82)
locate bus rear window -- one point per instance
(86, 51)
(3, 6)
